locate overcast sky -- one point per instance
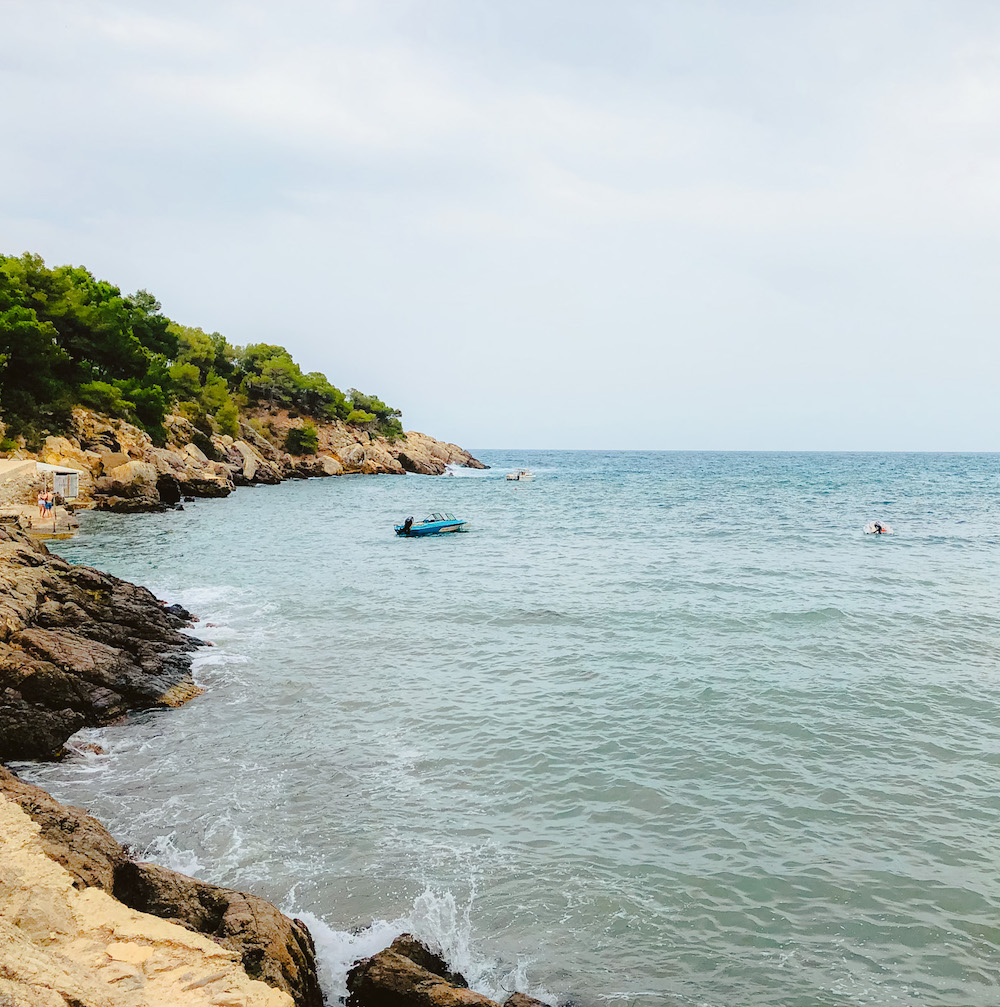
(640, 224)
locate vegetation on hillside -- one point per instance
(68, 339)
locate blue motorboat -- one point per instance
(433, 524)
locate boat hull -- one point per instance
(422, 530)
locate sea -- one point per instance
(657, 728)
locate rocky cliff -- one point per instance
(122, 470)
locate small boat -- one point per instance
(433, 524)
(521, 475)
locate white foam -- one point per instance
(438, 921)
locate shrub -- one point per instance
(302, 440)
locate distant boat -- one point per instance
(433, 524)
(521, 475)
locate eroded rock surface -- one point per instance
(271, 947)
(66, 941)
(79, 648)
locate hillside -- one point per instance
(150, 410)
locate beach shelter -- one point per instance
(65, 481)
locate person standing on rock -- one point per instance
(41, 503)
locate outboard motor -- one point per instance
(407, 525)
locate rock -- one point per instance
(331, 466)
(427, 456)
(392, 978)
(242, 928)
(355, 457)
(169, 488)
(250, 459)
(77, 648)
(272, 947)
(523, 1000)
(111, 460)
(129, 487)
(409, 947)
(195, 452)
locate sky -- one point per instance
(647, 224)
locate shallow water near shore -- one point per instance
(660, 728)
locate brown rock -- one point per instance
(523, 1000)
(409, 947)
(79, 647)
(273, 948)
(408, 974)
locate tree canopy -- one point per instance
(67, 339)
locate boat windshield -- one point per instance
(437, 516)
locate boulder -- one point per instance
(131, 473)
(354, 457)
(111, 460)
(251, 459)
(408, 974)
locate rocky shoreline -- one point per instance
(82, 922)
(121, 469)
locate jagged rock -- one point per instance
(249, 457)
(79, 647)
(427, 456)
(273, 948)
(409, 947)
(392, 978)
(523, 1000)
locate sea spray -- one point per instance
(436, 919)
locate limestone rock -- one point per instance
(195, 452)
(272, 948)
(424, 455)
(66, 942)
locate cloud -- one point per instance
(687, 204)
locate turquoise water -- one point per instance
(660, 728)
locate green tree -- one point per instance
(302, 440)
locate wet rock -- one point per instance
(523, 1000)
(79, 648)
(392, 978)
